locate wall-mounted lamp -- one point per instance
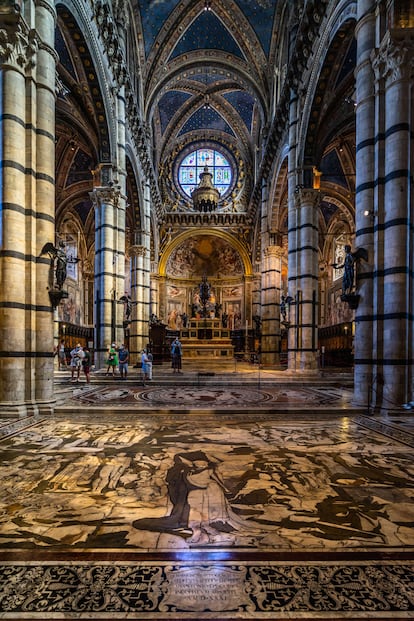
(370, 212)
(207, 5)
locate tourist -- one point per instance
(176, 355)
(123, 357)
(112, 359)
(62, 363)
(76, 357)
(144, 366)
(86, 364)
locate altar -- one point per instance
(206, 339)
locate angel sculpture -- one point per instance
(59, 255)
(349, 269)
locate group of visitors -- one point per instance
(80, 358)
(117, 358)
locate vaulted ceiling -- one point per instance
(206, 68)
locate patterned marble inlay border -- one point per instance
(401, 435)
(213, 397)
(174, 590)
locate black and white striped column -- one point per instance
(271, 283)
(306, 300)
(28, 64)
(109, 270)
(365, 194)
(394, 64)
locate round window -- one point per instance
(194, 163)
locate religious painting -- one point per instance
(204, 255)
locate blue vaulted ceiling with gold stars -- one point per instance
(206, 70)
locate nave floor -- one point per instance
(294, 509)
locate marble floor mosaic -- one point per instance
(213, 517)
(255, 396)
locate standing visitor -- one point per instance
(112, 359)
(123, 356)
(144, 366)
(62, 364)
(76, 357)
(149, 363)
(86, 364)
(176, 355)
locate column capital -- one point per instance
(274, 251)
(306, 196)
(105, 194)
(18, 46)
(393, 60)
(137, 251)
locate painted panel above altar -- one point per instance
(204, 255)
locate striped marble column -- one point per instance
(271, 283)
(366, 192)
(28, 63)
(140, 294)
(154, 292)
(395, 64)
(307, 208)
(293, 362)
(109, 285)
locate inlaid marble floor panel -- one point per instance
(251, 395)
(206, 518)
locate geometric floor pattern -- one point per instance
(132, 515)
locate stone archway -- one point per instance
(224, 262)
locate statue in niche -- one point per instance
(59, 260)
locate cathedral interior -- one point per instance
(236, 174)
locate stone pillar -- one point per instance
(27, 93)
(154, 293)
(307, 277)
(271, 283)
(394, 64)
(162, 299)
(109, 274)
(292, 228)
(364, 199)
(140, 294)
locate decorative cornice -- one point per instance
(219, 218)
